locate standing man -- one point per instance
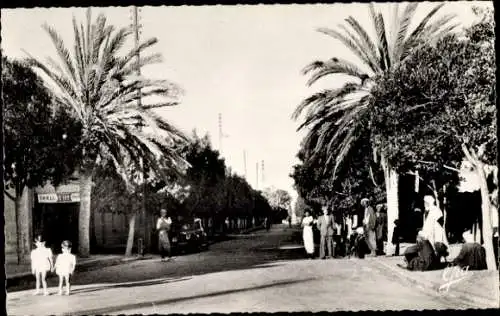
(163, 226)
(369, 221)
(326, 227)
(380, 228)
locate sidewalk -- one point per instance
(478, 288)
(17, 273)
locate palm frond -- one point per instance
(402, 31)
(421, 26)
(336, 66)
(347, 42)
(369, 46)
(62, 52)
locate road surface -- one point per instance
(261, 272)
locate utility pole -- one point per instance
(136, 26)
(220, 133)
(245, 163)
(256, 176)
(262, 173)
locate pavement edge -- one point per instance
(432, 286)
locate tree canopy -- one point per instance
(441, 97)
(38, 137)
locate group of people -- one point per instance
(42, 262)
(366, 237)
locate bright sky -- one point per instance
(244, 62)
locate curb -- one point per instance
(468, 298)
(19, 278)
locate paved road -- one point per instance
(257, 273)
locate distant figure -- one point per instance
(433, 229)
(380, 228)
(65, 266)
(41, 263)
(369, 221)
(357, 243)
(396, 236)
(289, 221)
(472, 254)
(326, 227)
(268, 223)
(226, 224)
(164, 225)
(307, 234)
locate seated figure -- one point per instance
(421, 257)
(471, 255)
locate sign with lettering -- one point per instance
(47, 198)
(63, 197)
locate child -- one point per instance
(41, 263)
(65, 265)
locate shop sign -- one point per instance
(59, 197)
(47, 198)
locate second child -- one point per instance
(65, 266)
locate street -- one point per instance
(260, 272)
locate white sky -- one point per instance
(241, 61)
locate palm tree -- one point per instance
(100, 88)
(338, 119)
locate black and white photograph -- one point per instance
(177, 159)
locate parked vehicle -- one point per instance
(189, 235)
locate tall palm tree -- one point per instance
(100, 88)
(338, 119)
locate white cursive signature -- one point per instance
(452, 275)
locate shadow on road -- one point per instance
(114, 309)
(127, 285)
(251, 252)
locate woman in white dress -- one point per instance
(307, 234)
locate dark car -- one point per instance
(189, 235)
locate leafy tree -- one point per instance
(358, 179)
(101, 89)
(444, 111)
(337, 118)
(35, 151)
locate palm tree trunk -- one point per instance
(84, 215)
(22, 225)
(131, 233)
(391, 187)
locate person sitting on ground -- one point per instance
(472, 254)
(421, 257)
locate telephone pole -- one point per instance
(245, 163)
(262, 173)
(256, 176)
(220, 133)
(136, 26)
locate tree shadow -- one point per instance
(127, 285)
(115, 309)
(252, 252)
